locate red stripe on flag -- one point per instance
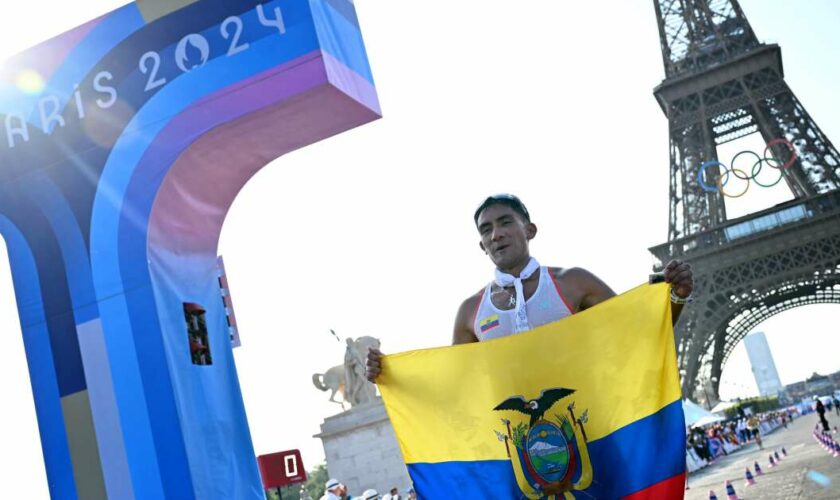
(673, 487)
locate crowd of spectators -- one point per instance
(335, 490)
(705, 444)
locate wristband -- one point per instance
(676, 299)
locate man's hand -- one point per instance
(374, 364)
(679, 275)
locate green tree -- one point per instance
(272, 495)
(288, 493)
(316, 479)
(759, 404)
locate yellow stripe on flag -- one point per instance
(619, 357)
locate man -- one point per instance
(334, 490)
(742, 430)
(370, 495)
(754, 427)
(524, 295)
(821, 411)
(701, 444)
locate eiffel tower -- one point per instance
(721, 84)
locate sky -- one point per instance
(371, 232)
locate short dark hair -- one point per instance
(503, 199)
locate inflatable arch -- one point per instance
(122, 144)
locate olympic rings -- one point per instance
(703, 167)
(755, 172)
(724, 178)
(790, 147)
(758, 162)
(742, 193)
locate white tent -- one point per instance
(695, 413)
(723, 406)
(708, 419)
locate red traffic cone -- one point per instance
(758, 469)
(776, 454)
(749, 477)
(712, 495)
(784, 451)
(772, 462)
(730, 491)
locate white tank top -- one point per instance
(545, 306)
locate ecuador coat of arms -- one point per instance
(549, 458)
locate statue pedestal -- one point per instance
(362, 450)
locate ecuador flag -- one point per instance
(587, 407)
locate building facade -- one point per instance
(763, 367)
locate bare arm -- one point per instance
(464, 331)
(591, 290)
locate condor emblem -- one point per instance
(550, 458)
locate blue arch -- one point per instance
(39, 357)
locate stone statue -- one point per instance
(357, 389)
(349, 378)
(331, 380)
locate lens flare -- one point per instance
(819, 478)
(30, 81)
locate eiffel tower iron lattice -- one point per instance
(721, 84)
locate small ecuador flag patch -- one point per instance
(489, 323)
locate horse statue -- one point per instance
(349, 378)
(331, 380)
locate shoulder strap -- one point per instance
(559, 292)
(478, 304)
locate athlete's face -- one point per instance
(505, 235)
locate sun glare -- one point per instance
(30, 82)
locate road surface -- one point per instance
(807, 472)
